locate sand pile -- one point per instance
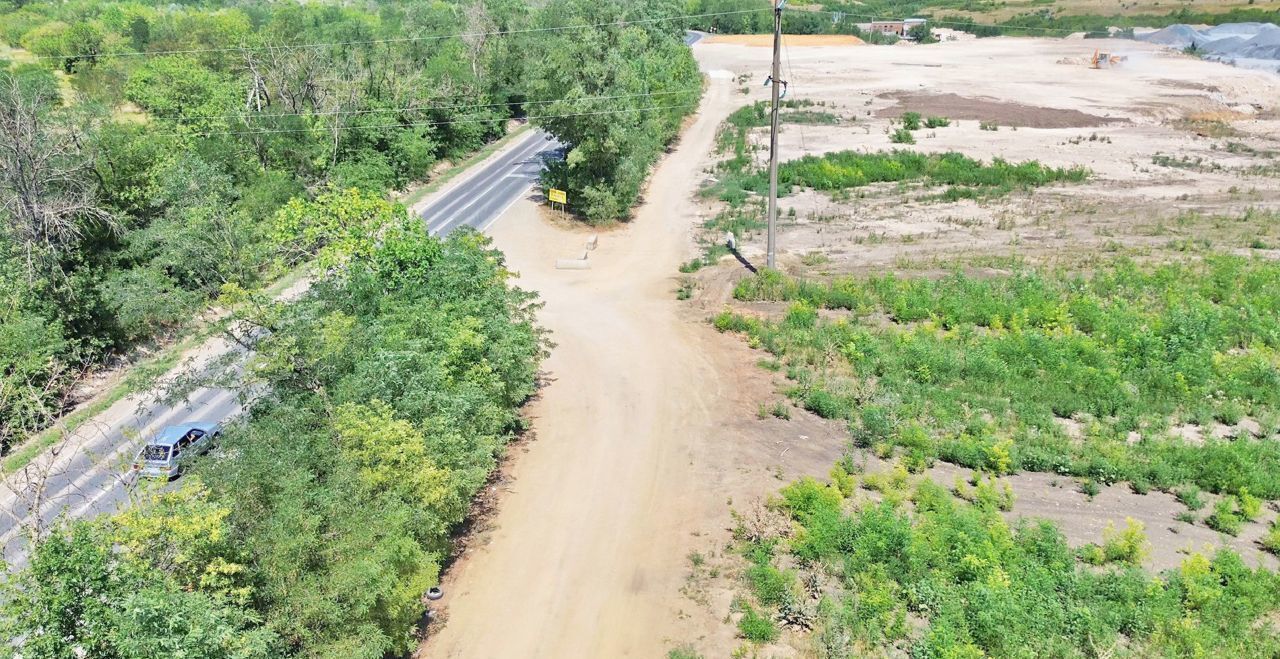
(1237, 43)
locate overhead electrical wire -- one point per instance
(210, 133)
(433, 37)
(495, 33)
(467, 106)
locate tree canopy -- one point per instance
(386, 395)
(149, 150)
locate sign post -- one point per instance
(558, 197)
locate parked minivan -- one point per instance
(164, 455)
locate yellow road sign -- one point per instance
(557, 196)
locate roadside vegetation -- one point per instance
(384, 398)
(142, 190)
(153, 144)
(904, 566)
(1148, 362)
(637, 59)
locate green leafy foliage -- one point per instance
(848, 169)
(748, 17)
(755, 627)
(78, 598)
(646, 69)
(1226, 517)
(147, 182)
(921, 33)
(843, 170)
(987, 366)
(385, 397)
(1128, 545)
(980, 587)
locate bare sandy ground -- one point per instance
(634, 464)
(1156, 107)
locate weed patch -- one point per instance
(977, 372)
(981, 587)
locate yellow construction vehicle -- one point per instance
(1103, 60)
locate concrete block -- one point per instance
(573, 264)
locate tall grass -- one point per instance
(1128, 350)
(851, 169)
(968, 178)
(972, 585)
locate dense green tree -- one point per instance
(159, 174)
(922, 33)
(649, 77)
(81, 598)
(63, 600)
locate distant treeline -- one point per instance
(1050, 24)
(751, 17)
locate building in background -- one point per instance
(898, 28)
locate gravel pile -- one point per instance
(1229, 42)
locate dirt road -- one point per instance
(586, 555)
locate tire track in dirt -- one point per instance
(585, 556)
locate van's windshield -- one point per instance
(155, 453)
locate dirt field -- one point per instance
(1176, 146)
(1047, 105)
(766, 40)
(647, 435)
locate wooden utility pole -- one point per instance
(775, 79)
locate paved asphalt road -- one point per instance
(481, 199)
(90, 479)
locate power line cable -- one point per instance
(468, 106)
(435, 37)
(869, 18)
(791, 79)
(200, 133)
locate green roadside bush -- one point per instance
(382, 400)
